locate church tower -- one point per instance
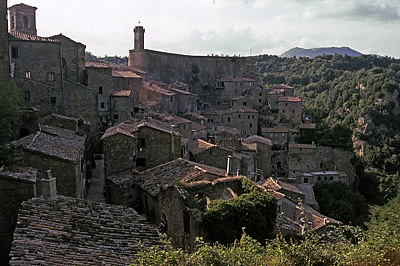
(23, 19)
(4, 57)
(139, 38)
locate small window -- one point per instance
(305, 180)
(239, 115)
(292, 111)
(14, 52)
(285, 104)
(53, 100)
(141, 143)
(51, 76)
(116, 116)
(229, 119)
(27, 95)
(244, 103)
(251, 125)
(25, 22)
(28, 74)
(102, 105)
(331, 178)
(141, 162)
(259, 100)
(100, 90)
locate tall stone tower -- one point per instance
(139, 38)
(23, 19)
(4, 59)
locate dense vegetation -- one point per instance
(378, 245)
(361, 93)
(254, 210)
(9, 116)
(115, 60)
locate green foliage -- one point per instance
(9, 116)
(115, 60)
(339, 201)
(313, 250)
(254, 210)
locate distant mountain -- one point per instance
(311, 53)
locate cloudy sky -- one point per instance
(229, 27)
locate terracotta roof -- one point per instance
(196, 115)
(125, 74)
(271, 184)
(317, 219)
(199, 145)
(118, 129)
(122, 93)
(154, 86)
(259, 139)
(97, 64)
(243, 109)
(70, 231)
(56, 142)
(289, 99)
(19, 36)
(179, 169)
(24, 174)
(198, 127)
(279, 129)
(276, 92)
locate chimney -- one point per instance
(79, 127)
(229, 165)
(49, 188)
(172, 154)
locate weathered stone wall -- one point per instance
(118, 153)
(42, 61)
(198, 71)
(66, 173)
(4, 60)
(12, 193)
(215, 156)
(80, 101)
(158, 148)
(122, 107)
(288, 208)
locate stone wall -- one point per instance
(160, 147)
(198, 71)
(12, 193)
(118, 153)
(80, 101)
(4, 60)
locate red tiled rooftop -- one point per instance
(125, 74)
(19, 36)
(97, 64)
(122, 93)
(289, 99)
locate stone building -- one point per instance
(290, 110)
(261, 149)
(4, 54)
(154, 96)
(242, 101)
(36, 70)
(23, 19)
(73, 59)
(16, 185)
(233, 86)
(60, 150)
(122, 106)
(70, 231)
(187, 101)
(128, 80)
(244, 119)
(280, 136)
(142, 145)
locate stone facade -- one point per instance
(60, 150)
(187, 101)
(16, 186)
(153, 96)
(23, 19)
(290, 110)
(4, 59)
(231, 87)
(127, 80)
(280, 136)
(261, 148)
(36, 69)
(244, 119)
(73, 59)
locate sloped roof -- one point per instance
(97, 64)
(179, 169)
(199, 145)
(289, 99)
(256, 138)
(22, 5)
(71, 231)
(122, 93)
(19, 36)
(271, 184)
(279, 129)
(24, 174)
(125, 74)
(56, 142)
(281, 86)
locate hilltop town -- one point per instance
(158, 140)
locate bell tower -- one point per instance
(139, 38)
(4, 59)
(23, 19)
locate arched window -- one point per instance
(25, 22)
